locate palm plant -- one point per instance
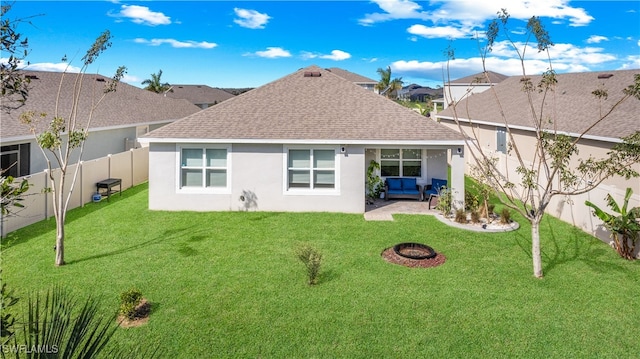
(624, 224)
(58, 325)
(386, 85)
(154, 84)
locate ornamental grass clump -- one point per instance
(312, 260)
(461, 216)
(505, 216)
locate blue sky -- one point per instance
(251, 43)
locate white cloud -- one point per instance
(54, 67)
(448, 32)
(631, 62)
(638, 43)
(503, 59)
(273, 53)
(250, 18)
(131, 79)
(336, 55)
(393, 10)
(468, 14)
(594, 39)
(143, 15)
(177, 44)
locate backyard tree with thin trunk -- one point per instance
(61, 134)
(555, 168)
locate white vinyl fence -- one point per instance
(572, 209)
(132, 167)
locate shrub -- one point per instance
(475, 216)
(129, 300)
(461, 216)
(444, 202)
(471, 201)
(505, 216)
(312, 260)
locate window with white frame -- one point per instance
(203, 168)
(311, 168)
(405, 162)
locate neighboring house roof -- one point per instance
(128, 105)
(480, 78)
(572, 105)
(414, 91)
(199, 94)
(311, 104)
(353, 77)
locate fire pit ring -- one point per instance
(412, 250)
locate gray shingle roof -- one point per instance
(480, 78)
(199, 94)
(297, 107)
(572, 105)
(353, 77)
(128, 105)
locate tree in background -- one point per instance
(63, 135)
(386, 86)
(552, 171)
(154, 84)
(14, 93)
(14, 84)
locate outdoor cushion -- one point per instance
(408, 184)
(436, 186)
(394, 184)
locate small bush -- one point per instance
(312, 260)
(129, 300)
(444, 202)
(471, 201)
(475, 216)
(461, 216)
(505, 216)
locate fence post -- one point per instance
(132, 166)
(109, 165)
(81, 184)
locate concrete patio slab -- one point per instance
(382, 210)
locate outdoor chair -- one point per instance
(434, 189)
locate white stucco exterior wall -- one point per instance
(257, 174)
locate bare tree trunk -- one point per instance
(535, 248)
(59, 241)
(60, 211)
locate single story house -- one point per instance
(202, 96)
(570, 109)
(300, 143)
(123, 116)
(362, 81)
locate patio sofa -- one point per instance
(402, 187)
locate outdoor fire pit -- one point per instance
(412, 254)
(414, 250)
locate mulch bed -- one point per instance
(391, 256)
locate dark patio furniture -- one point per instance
(434, 189)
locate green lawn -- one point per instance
(229, 285)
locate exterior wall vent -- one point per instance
(312, 74)
(605, 76)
